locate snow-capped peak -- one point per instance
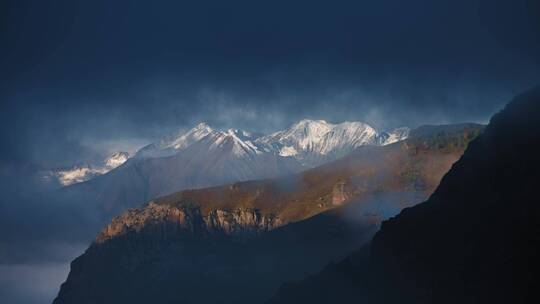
(241, 134)
(394, 135)
(240, 142)
(303, 135)
(310, 130)
(310, 123)
(116, 159)
(310, 142)
(318, 136)
(201, 125)
(197, 133)
(306, 140)
(347, 136)
(85, 172)
(170, 145)
(315, 141)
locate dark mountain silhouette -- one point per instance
(476, 240)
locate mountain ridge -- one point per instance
(204, 157)
(325, 142)
(303, 137)
(223, 236)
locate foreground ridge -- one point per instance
(475, 240)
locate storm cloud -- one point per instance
(75, 72)
(80, 79)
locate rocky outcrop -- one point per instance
(241, 221)
(166, 254)
(189, 219)
(340, 194)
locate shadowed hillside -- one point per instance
(476, 240)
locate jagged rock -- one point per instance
(236, 222)
(340, 194)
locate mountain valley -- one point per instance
(274, 229)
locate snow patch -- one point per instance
(82, 173)
(288, 151)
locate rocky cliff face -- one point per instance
(340, 193)
(474, 241)
(173, 261)
(189, 219)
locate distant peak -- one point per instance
(310, 126)
(306, 121)
(354, 124)
(345, 123)
(116, 159)
(242, 136)
(119, 154)
(202, 125)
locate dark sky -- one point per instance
(94, 71)
(78, 78)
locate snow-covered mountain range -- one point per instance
(313, 142)
(84, 172)
(308, 141)
(305, 144)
